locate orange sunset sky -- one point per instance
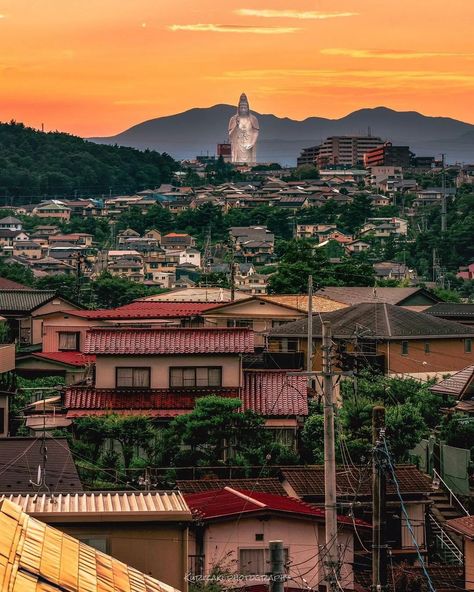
(95, 67)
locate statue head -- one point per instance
(243, 108)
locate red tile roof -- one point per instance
(463, 526)
(135, 401)
(169, 341)
(6, 284)
(230, 502)
(148, 310)
(274, 393)
(71, 358)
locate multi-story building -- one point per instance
(388, 155)
(308, 156)
(346, 150)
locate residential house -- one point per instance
(466, 273)
(64, 335)
(52, 209)
(123, 236)
(85, 208)
(380, 201)
(238, 524)
(393, 339)
(36, 556)
(384, 177)
(28, 249)
(133, 526)
(256, 283)
(357, 246)
(9, 237)
(130, 268)
(153, 234)
(353, 488)
(452, 311)
(11, 223)
(432, 195)
(261, 313)
(24, 308)
(313, 230)
(176, 241)
(79, 239)
(164, 369)
(385, 227)
(464, 527)
(392, 270)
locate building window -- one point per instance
(468, 346)
(69, 341)
(256, 562)
(404, 348)
(96, 542)
(427, 347)
(132, 378)
(187, 377)
(241, 323)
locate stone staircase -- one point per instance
(447, 544)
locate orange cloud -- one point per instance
(293, 14)
(213, 28)
(390, 54)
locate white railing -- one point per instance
(450, 492)
(446, 545)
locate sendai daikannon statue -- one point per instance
(243, 134)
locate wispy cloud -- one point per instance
(293, 14)
(389, 54)
(214, 28)
(381, 79)
(2, 16)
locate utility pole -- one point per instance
(331, 550)
(277, 560)
(444, 213)
(309, 352)
(379, 520)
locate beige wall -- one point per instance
(262, 314)
(300, 536)
(63, 322)
(7, 357)
(4, 423)
(156, 549)
(160, 365)
(55, 305)
(469, 563)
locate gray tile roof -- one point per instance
(23, 300)
(378, 321)
(448, 310)
(61, 473)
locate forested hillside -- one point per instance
(34, 164)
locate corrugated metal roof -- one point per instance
(229, 502)
(66, 357)
(264, 484)
(169, 341)
(457, 384)
(35, 557)
(154, 505)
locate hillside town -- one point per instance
(250, 376)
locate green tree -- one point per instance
(217, 432)
(109, 291)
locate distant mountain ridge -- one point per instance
(198, 130)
